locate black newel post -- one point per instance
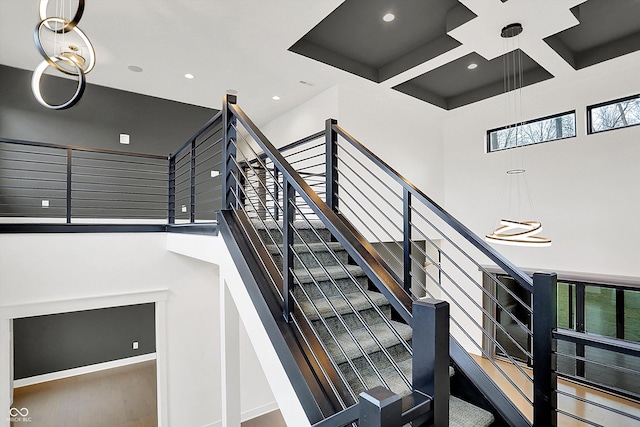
(431, 356)
(545, 319)
(229, 169)
(331, 164)
(380, 407)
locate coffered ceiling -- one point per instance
(296, 49)
(583, 33)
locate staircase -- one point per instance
(355, 324)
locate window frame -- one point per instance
(540, 119)
(590, 130)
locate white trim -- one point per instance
(249, 415)
(162, 394)
(257, 412)
(9, 312)
(83, 370)
(42, 308)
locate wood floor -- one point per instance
(590, 412)
(119, 397)
(126, 397)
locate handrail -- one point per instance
(598, 341)
(65, 182)
(357, 246)
(77, 148)
(480, 244)
(199, 133)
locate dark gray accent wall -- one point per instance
(52, 343)
(156, 126)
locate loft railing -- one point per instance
(401, 236)
(558, 343)
(195, 181)
(41, 182)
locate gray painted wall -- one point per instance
(123, 188)
(56, 342)
(156, 126)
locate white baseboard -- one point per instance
(82, 370)
(248, 415)
(264, 409)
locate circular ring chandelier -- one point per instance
(64, 47)
(519, 233)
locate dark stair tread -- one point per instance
(464, 414)
(335, 271)
(301, 247)
(357, 300)
(368, 344)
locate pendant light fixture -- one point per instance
(64, 47)
(516, 232)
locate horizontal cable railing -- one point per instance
(322, 271)
(436, 256)
(307, 157)
(41, 182)
(574, 398)
(195, 176)
(315, 290)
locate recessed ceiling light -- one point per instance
(472, 66)
(188, 76)
(275, 98)
(388, 17)
(135, 68)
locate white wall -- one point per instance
(52, 267)
(404, 132)
(304, 120)
(584, 189)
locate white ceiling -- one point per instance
(242, 45)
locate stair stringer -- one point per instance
(501, 406)
(308, 389)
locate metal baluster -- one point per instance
(287, 242)
(69, 160)
(406, 250)
(331, 138)
(172, 190)
(228, 150)
(192, 194)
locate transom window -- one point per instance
(615, 114)
(545, 129)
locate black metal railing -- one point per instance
(432, 254)
(195, 176)
(406, 245)
(560, 398)
(277, 206)
(43, 182)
